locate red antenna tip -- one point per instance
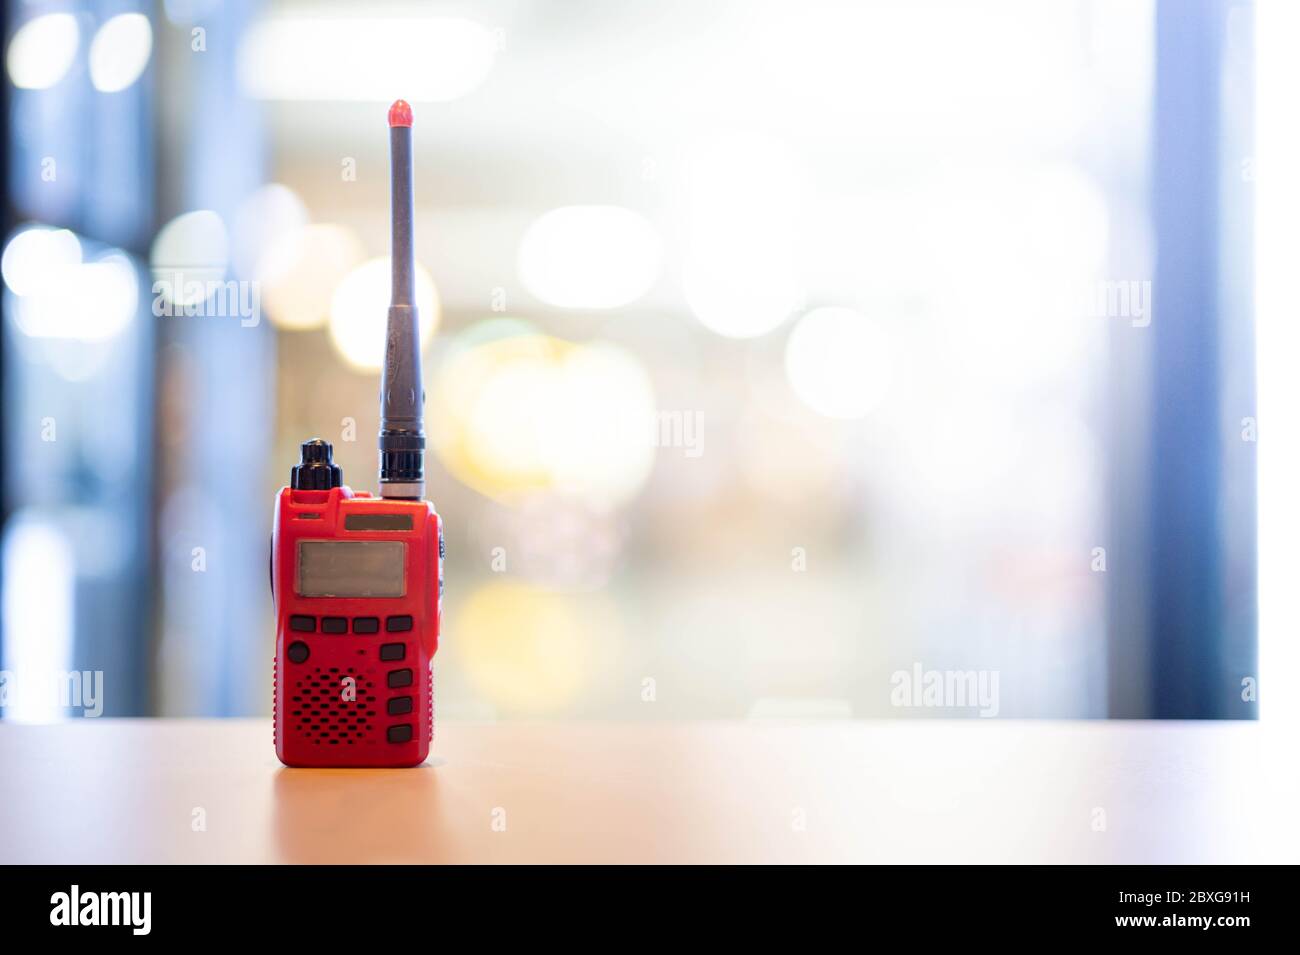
(399, 114)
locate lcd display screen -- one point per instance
(377, 522)
(351, 568)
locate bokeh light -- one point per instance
(741, 277)
(527, 412)
(300, 270)
(42, 50)
(589, 257)
(734, 295)
(37, 558)
(331, 58)
(1013, 258)
(89, 302)
(53, 294)
(525, 648)
(359, 312)
(190, 252)
(120, 52)
(267, 214)
(839, 362)
(35, 256)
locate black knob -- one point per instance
(317, 470)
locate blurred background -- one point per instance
(771, 348)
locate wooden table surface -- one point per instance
(915, 791)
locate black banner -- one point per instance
(984, 904)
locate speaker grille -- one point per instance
(323, 709)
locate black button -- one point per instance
(401, 733)
(392, 651)
(298, 652)
(398, 624)
(365, 625)
(302, 624)
(398, 678)
(399, 705)
(334, 624)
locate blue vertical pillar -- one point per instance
(1186, 628)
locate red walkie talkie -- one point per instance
(357, 580)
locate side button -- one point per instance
(399, 624)
(302, 624)
(397, 678)
(298, 652)
(401, 733)
(392, 651)
(399, 705)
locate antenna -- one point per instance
(401, 397)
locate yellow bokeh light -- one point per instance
(359, 312)
(528, 412)
(301, 269)
(525, 648)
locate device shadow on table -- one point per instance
(361, 816)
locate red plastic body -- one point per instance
(322, 719)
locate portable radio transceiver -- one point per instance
(357, 580)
